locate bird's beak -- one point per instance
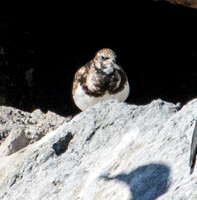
(115, 66)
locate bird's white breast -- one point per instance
(83, 101)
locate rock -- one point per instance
(18, 128)
(110, 151)
(189, 3)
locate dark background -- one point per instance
(155, 43)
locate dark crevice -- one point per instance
(90, 136)
(61, 145)
(39, 55)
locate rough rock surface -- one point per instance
(189, 3)
(111, 151)
(22, 128)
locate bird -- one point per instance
(100, 79)
(193, 149)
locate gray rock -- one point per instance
(111, 151)
(19, 129)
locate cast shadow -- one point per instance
(147, 182)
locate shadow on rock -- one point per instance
(146, 182)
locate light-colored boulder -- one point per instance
(18, 129)
(110, 151)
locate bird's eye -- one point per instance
(104, 58)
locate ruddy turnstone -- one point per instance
(100, 79)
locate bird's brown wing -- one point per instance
(77, 78)
(81, 76)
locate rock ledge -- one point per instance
(111, 151)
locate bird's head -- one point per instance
(105, 60)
